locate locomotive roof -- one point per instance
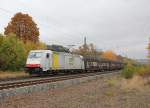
(50, 51)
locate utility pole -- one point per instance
(85, 41)
(85, 52)
(85, 44)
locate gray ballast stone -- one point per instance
(46, 86)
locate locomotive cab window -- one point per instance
(35, 55)
(47, 55)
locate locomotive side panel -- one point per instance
(55, 61)
(73, 62)
(58, 61)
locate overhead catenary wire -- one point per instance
(5, 10)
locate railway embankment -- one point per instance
(27, 88)
(105, 91)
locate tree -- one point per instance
(24, 27)
(120, 58)
(87, 50)
(12, 53)
(109, 55)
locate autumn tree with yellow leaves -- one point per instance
(109, 55)
(23, 26)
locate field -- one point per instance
(112, 91)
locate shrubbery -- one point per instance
(13, 52)
(131, 69)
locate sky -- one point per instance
(119, 25)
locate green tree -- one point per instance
(24, 27)
(12, 53)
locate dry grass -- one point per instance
(137, 82)
(9, 74)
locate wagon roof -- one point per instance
(99, 59)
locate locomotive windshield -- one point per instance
(35, 55)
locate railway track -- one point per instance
(45, 80)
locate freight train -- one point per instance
(48, 61)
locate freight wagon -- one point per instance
(47, 61)
(101, 64)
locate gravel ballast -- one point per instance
(110, 91)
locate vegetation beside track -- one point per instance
(132, 69)
(10, 74)
(13, 52)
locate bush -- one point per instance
(130, 70)
(144, 70)
(13, 52)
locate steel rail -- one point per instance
(46, 80)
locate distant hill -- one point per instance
(143, 61)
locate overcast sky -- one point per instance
(119, 25)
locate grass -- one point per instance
(109, 93)
(10, 74)
(111, 82)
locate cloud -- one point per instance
(110, 24)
